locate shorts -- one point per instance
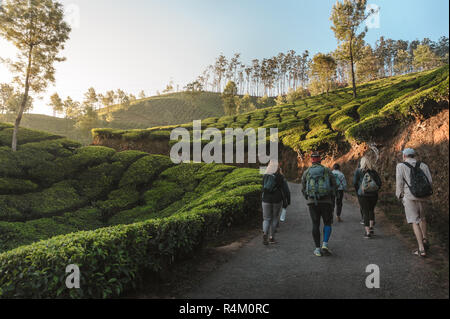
(414, 210)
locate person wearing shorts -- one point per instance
(415, 208)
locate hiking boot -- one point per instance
(317, 252)
(367, 236)
(339, 219)
(326, 251)
(272, 240)
(265, 241)
(371, 231)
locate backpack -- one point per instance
(318, 183)
(338, 180)
(420, 185)
(368, 184)
(270, 183)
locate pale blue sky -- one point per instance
(143, 44)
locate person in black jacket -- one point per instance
(275, 195)
(367, 199)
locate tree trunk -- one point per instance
(24, 102)
(353, 69)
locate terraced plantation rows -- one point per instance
(117, 214)
(325, 122)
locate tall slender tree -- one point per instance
(38, 30)
(347, 17)
(56, 104)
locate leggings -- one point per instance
(367, 204)
(270, 215)
(337, 202)
(324, 210)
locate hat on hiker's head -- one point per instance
(409, 152)
(315, 157)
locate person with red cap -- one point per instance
(319, 187)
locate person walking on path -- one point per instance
(275, 194)
(414, 187)
(318, 188)
(341, 187)
(286, 194)
(367, 183)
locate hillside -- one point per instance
(54, 125)
(118, 214)
(385, 116)
(167, 109)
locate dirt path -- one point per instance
(288, 269)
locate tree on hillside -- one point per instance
(169, 88)
(220, 68)
(280, 100)
(72, 109)
(442, 48)
(245, 104)
(323, 71)
(38, 30)
(425, 58)
(342, 61)
(120, 96)
(194, 87)
(132, 97)
(264, 101)
(6, 93)
(57, 104)
(402, 62)
(142, 94)
(229, 98)
(14, 103)
(347, 17)
(367, 67)
(91, 98)
(294, 95)
(108, 100)
(87, 119)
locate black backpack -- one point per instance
(420, 185)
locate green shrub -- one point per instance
(343, 123)
(370, 128)
(183, 175)
(162, 194)
(119, 199)
(15, 234)
(85, 157)
(16, 186)
(24, 136)
(145, 170)
(98, 181)
(61, 197)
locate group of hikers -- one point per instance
(324, 189)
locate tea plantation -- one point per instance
(324, 121)
(115, 214)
